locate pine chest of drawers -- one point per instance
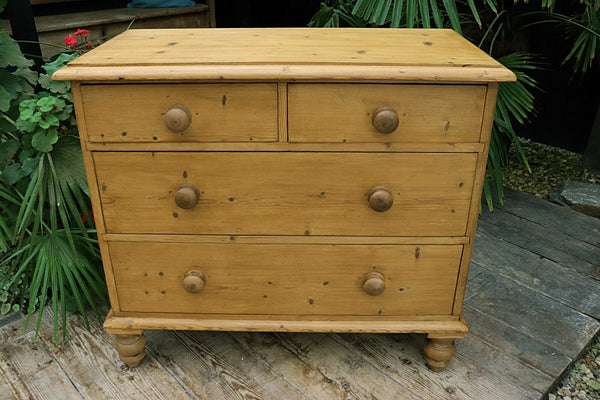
(286, 179)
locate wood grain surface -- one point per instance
(219, 113)
(296, 53)
(304, 194)
(426, 113)
(285, 279)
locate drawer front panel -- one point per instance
(285, 279)
(217, 112)
(286, 193)
(344, 112)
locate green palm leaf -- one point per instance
(63, 271)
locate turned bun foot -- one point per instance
(438, 352)
(131, 348)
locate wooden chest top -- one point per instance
(288, 54)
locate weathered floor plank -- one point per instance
(537, 273)
(533, 381)
(562, 219)
(11, 384)
(94, 367)
(212, 365)
(546, 242)
(529, 312)
(525, 348)
(28, 370)
(321, 368)
(399, 356)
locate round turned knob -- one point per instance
(385, 120)
(380, 199)
(187, 196)
(374, 283)
(178, 118)
(194, 281)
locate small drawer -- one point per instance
(200, 278)
(269, 193)
(385, 113)
(180, 113)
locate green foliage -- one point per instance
(329, 16)
(58, 87)
(584, 33)
(515, 104)
(48, 252)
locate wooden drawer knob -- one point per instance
(374, 283)
(178, 118)
(385, 120)
(194, 281)
(380, 199)
(187, 196)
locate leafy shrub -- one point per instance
(48, 248)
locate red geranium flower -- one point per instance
(80, 32)
(71, 41)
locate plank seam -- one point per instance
(508, 239)
(335, 338)
(540, 223)
(149, 352)
(524, 333)
(268, 365)
(539, 291)
(506, 378)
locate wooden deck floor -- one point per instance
(532, 303)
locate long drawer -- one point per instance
(214, 112)
(423, 113)
(286, 193)
(285, 278)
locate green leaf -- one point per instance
(8, 150)
(25, 155)
(48, 121)
(10, 53)
(435, 12)
(50, 103)
(59, 62)
(12, 86)
(450, 6)
(29, 165)
(13, 173)
(5, 308)
(411, 13)
(425, 15)
(66, 113)
(59, 87)
(4, 99)
(43, 141)
(16, 308)
(397, 13)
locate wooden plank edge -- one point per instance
(324, 147)
(291, 72)
(479, 177)
(301, 240)
(90, 170)
(52, 23)
(282, 111)
(434, 328)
